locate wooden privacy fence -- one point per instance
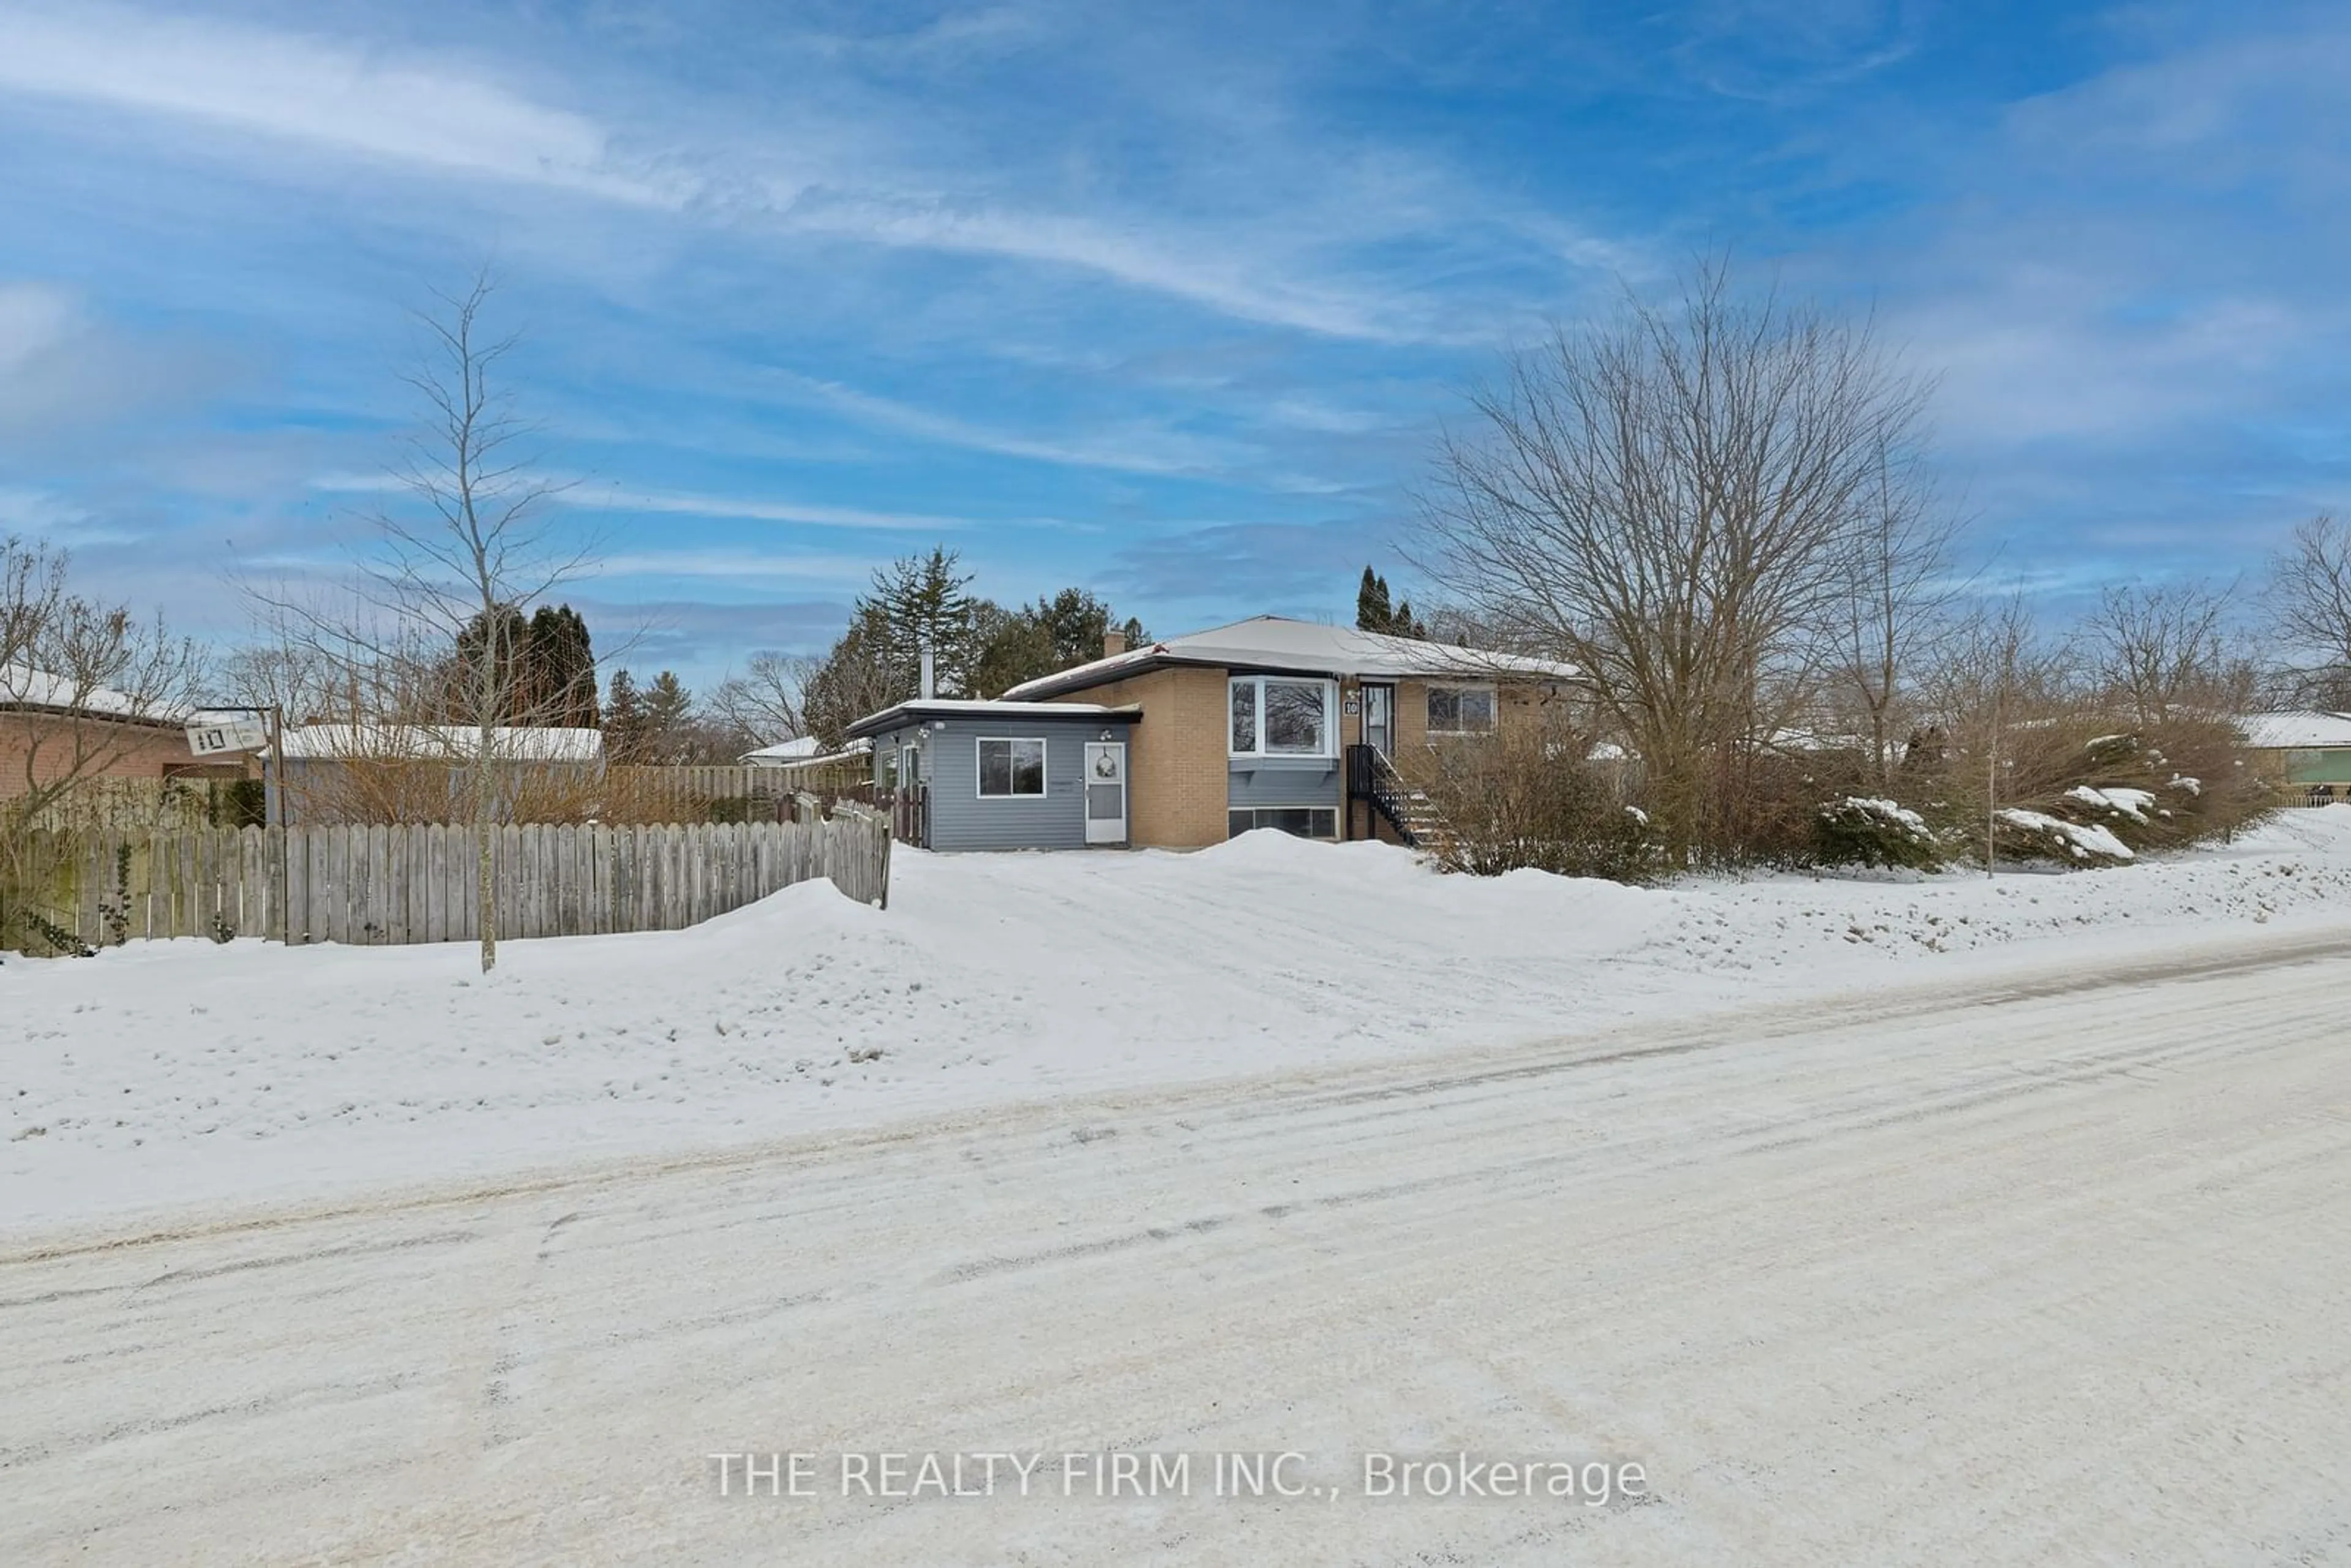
(375, 885)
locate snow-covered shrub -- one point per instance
(1870, 831)
(2119, 795)
(2030, 835)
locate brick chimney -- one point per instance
(1113, 644)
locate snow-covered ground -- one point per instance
(1977, 1273)
(169, 1074)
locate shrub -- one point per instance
(1517, 801)
(2161, 786)
(2028, 835)
(1870, 831)
(239, 803)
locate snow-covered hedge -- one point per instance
(2038, 836)
(2122, 796)
(1862, 830)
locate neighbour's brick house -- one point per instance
(52, 728)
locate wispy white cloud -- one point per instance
(621, 498)
(1273, 249)
(590, 494)
(1224, 277)
(323, 93)
(30, 511)
(735, 566)
(62, 369)
(1139, 447)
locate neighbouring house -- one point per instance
(1265, 723)
(418, 772)
(2305, 752)
(784, 753)
(804, 765)
(51, 727)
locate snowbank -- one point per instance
(174, 1072)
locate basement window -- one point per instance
(1011, 769)
(1305, 821)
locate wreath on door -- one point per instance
(1105, 765)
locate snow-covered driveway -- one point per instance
(2031, 1273)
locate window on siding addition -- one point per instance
(1460, 710)
(1274, 715)
(1011, 769)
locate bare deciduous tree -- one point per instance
(84, 686)
(2309, 599)
(1897, 584)
(1668, 499)
(767, 702)
(428, 650)
(2161, 650)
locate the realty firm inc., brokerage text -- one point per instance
(918, 1475)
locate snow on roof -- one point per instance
(892, 717)
(799, 749)
(977, 708)
(2301, 731)
(22, 685)
(816, 756)
(446, 742)
(1278, 643)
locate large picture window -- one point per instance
(1460, 710)
(1281, 715)
(1011, 769)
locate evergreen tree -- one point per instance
(1404, 623)
(1055, 634)
(498, 639)
(668, 710)
(1372, 612)
(624, 720)
(545, 665)
(923, 604)
(560, 665)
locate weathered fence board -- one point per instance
(376, 884)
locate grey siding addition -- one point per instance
(1305, 781)
(961, 820)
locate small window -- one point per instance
(910, 766)
(1244, 717)
(1460, 710)
(1009, 769)
(1303, 822)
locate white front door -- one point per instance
(1105, 765)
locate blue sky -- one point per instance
(1163, 300)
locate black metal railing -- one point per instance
(1372, 778)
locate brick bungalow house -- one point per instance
(51, 727)
(1265, 723)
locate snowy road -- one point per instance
(2041, 1274)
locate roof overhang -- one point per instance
(901, 715)
(1146, 660)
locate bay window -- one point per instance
(1281, 715)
